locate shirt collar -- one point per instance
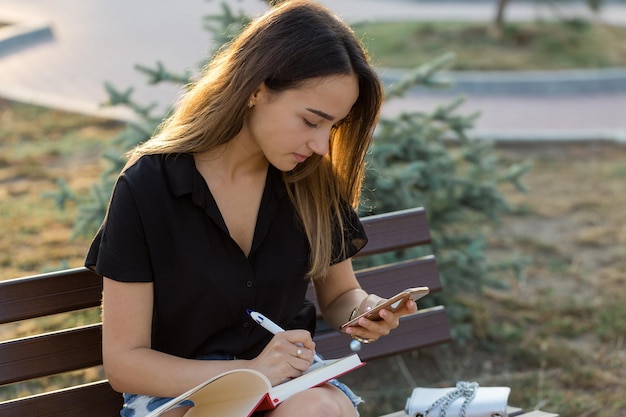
(182, 175)
(179, 171)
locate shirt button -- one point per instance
(246, 324)
(249, 284)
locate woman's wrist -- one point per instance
(340, 310)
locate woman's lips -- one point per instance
(300, 158)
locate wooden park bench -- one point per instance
(77, 348)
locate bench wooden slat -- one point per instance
(396, 230)
(93, 400)
(390, 279)
(425, 328)
(52, 293)
(51, 353)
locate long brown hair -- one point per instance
(293, 42)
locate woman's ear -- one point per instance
(260, 93)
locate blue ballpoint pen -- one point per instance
(273, 328)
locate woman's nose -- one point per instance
(319, 143)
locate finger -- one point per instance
(368, 329)
(289, 360)
(301, 337)
(288, 352)
(300, 359)
(389, 319)
(287, 342)
(307, 354)
(410, 307)
(377, 328)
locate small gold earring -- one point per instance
(250, 104)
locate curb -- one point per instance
(550, 136)
(546, 83)
(53, 101)
(20, 33)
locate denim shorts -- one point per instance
(140, 405)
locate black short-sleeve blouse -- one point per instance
(163, 226)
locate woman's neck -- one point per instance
(232, 160)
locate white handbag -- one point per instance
(466, 400)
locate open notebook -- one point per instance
(241, 392)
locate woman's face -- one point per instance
(292, 125)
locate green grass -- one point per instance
(522, 46)
(37, 147)
(611, 322)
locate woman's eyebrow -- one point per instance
(322, 114)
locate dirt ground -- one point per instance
(555, 334)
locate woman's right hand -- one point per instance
(286, 356)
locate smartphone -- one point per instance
(392, 304)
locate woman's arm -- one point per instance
(130, 363)
(133, 366)
(339, 294)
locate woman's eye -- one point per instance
(310, 124)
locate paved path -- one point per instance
(93, 41)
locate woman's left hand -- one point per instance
(367, 331)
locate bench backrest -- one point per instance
(391, 232)
(78, 348)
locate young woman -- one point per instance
(245, 195)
